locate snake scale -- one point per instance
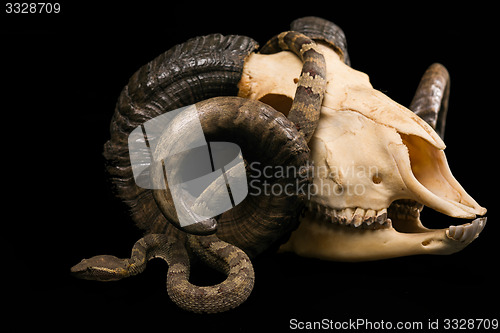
(176, 246)
(311, 85)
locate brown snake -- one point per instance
(175, 246)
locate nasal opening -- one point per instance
(434, 181)
(424, 160)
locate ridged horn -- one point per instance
(200, 68)
(267, 139)
(430, 101)
(325, 31)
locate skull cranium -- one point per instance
(376, 163)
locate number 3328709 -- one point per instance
(32, 8)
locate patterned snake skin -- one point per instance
(312, 82)
(175, 246)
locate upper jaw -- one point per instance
(355, 217)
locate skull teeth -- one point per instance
(353, 217)
(405, 209)
(466, 233)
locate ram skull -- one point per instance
(375, 165)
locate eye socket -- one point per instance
(377, 179)
(279, 102)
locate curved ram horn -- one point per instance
(190, 72)
(430, 101)
(325, 31)
(267, 138)
(264, 217)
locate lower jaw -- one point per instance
(340, 243)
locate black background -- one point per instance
(61, 77)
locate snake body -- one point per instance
(305, 109)
(176, 247)
(172, 247)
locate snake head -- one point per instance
(102, 268)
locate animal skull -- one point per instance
(376, 163)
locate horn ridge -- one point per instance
(325, 31)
